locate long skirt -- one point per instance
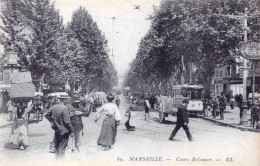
(130, 123)
(19, 132)
(108, 132)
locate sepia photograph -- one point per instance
(129, 82)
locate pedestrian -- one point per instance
(110, 122)
(232, 102)
(182, 120)
(19, 132)
(76, 110)
(255, 115)
(205, 106)
(92, 99)
(53, 101)
(221, 107)
(131, 97)
(130, 123)
(158, 102)
(240, 103)
(59, 118)
(117, 101)
(11, 110)
(209, 106)
(147, 107)
(215, 107)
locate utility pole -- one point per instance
(243, 119)
(191, 68)
(113, 18)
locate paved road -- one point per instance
(150, 140)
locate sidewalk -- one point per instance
(3, 120)
(231, 119)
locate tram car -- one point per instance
(169, 104)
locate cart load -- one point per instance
(21, 88)
(22, 91)
(168, 105)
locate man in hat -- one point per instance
(182, 120)
(76, 110)
(59, 118)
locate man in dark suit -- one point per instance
(182, 120)
(59, 117)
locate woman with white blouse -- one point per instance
(110, 122)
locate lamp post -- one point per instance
(243, 118)
(251, 51)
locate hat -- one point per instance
(185, 101)
(76, 97)
(64, 96)
(110, 96)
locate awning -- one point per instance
(4, 87)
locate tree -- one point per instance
(98, 68)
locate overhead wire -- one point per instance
(130, 2)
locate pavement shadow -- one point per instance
(167, 122)
(193, 116)
(10, 146)
(36, 135)
(227, 112)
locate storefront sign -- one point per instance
(251, 50)
(236, 81)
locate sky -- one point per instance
(129, 25)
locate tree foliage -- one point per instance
(54, 53)
(194, 30)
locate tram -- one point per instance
(170, 104)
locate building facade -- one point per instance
(229, 79)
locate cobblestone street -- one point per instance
(149, 139)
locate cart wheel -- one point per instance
(161, 117)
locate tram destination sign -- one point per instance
(251, 50)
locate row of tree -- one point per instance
(185, 32)
(56, 53)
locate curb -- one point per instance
(229, 125)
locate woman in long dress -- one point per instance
(19, 132)
(109, 126)
(130, 123)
